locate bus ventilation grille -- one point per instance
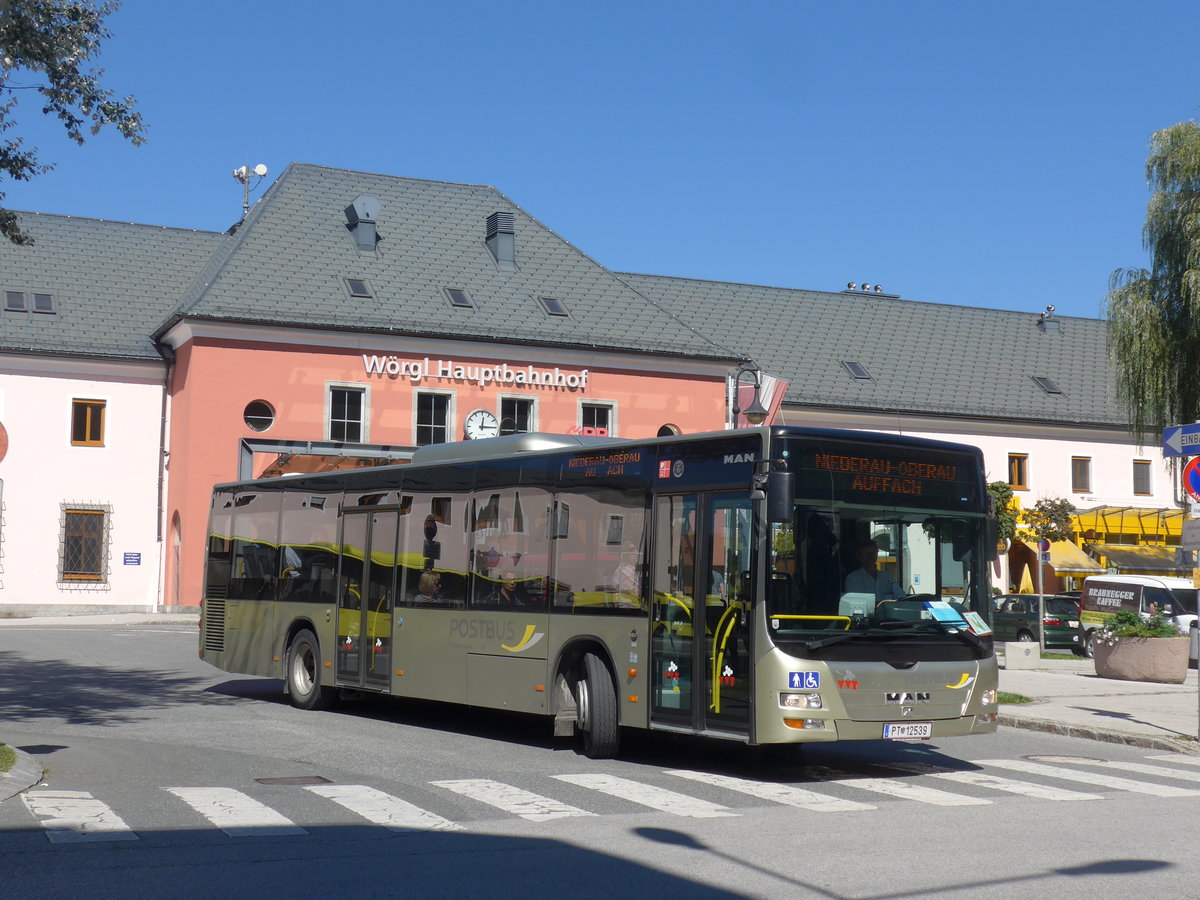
(214, 625)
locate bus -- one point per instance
(691, 584)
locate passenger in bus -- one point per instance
(508, 593)
(429, 588)
(868, 578)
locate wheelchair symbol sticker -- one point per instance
(809, 681)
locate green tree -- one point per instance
(44, 45)
(1154, 313)
(1048, 519)
(1006, 517)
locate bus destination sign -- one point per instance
(886, 475)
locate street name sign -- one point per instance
(1182, 440)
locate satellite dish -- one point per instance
(260, 170)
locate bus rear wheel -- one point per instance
(596, 709)
(304, 674)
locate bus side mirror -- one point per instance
(781, 488)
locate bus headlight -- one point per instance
(801, 701)
(988, 697)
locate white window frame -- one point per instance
(592, 401)
(534, 411)
(362, 388)
(453, 427)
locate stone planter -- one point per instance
(1162, 660)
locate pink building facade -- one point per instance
(249, 401)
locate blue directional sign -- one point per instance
(1182, 440)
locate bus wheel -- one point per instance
(596, 709)
(304, 673)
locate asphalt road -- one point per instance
(165, 777)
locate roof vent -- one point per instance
(500, 239)
(361, 216)
(1047, 322)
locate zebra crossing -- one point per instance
(71, 817)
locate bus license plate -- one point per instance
(907, 731)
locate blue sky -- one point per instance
(958, 152)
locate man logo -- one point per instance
(901, 699)
(738, 458)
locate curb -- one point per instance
(24, 774)
(1102, 734)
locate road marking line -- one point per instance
(74, 816)
(382, 809)
(511, 799)
(648, 795)
(235, 813)
(997, 782)
(1024, 788)
(777, 793)
(907, 791)
(1140, 768)
(1121, 784)
(1178, 758)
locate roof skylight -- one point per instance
(554, 306)
(857, 370)
(458, 297)
(1046, 384)
(358, 287)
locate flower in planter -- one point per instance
(1126, 623)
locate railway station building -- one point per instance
(350, 318)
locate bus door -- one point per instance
(701, 612)
(366, 595)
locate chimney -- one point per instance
(361, 216)
(1047, 322)
(500, 239)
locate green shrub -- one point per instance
(1126, 623)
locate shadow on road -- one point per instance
(90, 695)
(329, 860)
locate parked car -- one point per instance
(1014, 618)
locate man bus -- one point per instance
(693, 584)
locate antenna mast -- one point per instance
(244, 174)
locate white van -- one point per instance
(1103, 595)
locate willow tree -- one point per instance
(1154, 313)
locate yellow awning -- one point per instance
(1067, 559)
(1143, 560)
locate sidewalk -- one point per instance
(1070, 699)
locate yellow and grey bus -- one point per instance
(694, 584)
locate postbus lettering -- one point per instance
(485, 629)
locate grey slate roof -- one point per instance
(112, 283)
(929, 358)
(288, 262)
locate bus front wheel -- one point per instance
(304, 674)
(596, 709)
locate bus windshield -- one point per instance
(845, 579)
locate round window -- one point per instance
(668, 430)
(259, 415)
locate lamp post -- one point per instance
(755, 413)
